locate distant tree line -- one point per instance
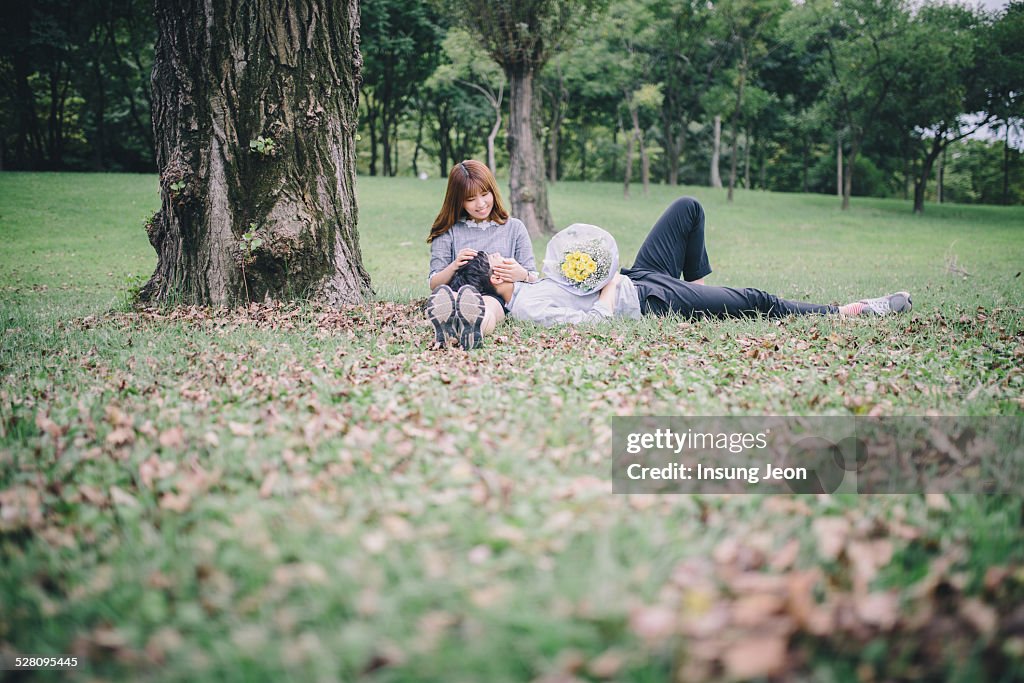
(75, 85)
(855, 97)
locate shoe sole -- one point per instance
(440, 311)
(469, 310)
(906, 304)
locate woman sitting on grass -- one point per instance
(582, 283)
(472, 221)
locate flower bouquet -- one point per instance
(582, 258)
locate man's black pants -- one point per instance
(675, 247)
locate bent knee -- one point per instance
(687, 204)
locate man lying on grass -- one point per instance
(583, 283)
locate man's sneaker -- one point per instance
(469, 316)
(893, 303)
(440, 311)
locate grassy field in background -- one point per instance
(293, 493)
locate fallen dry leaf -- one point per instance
(878, 609)
(608, 664)
(752, 610)
(753, 657)
(172, 438)
(831, 533)
(241, 429)
(982, 617)
(121, 497)
(267, 487)
(653, 624)
(175, 502)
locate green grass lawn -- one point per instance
(302, 494)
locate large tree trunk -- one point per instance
(716, 153)
(224, 75)
(526, 173)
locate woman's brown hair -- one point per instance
(467, 179)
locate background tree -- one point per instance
(74, 85)
(255, 114)
(862, 53)
(746, 27)
(401, 47)
(626, 67)
(477, 78)
(584, 102)
(462, 117)
(75, 94)
(1006, 67)
(683, 61)
(949, 74)
(521, 35)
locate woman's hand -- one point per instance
(463, 257)
(445, 276)
(510, 270)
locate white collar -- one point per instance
(480, 225)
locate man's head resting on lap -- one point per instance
(477, 272)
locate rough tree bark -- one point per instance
(225, 75)
(526, 174)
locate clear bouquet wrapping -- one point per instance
(582, 258)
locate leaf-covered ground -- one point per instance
(309, 494)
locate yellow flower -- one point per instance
(578, 266)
